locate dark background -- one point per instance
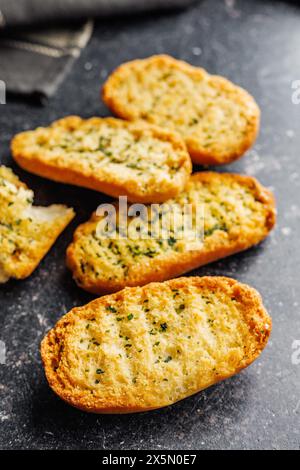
(257, 45)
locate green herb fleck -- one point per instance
(211, 230)
(180, 308)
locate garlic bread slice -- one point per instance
(27, 232)
(148, 347)
(218, 120)
(238, 213)
(142, 162)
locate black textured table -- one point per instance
(255, 44)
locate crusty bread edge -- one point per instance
(249, 295)
(72, 176)
(199, 154)
(160, 270)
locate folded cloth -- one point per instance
(36, 61)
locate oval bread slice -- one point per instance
(27, 232)
(142, 162)
(148, 347)
(238, 213)
(218, 120)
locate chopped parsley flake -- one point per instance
(111, 309)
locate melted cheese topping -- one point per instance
(158, 344)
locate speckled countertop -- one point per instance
(256, 44)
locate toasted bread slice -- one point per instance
(218, 120)
(238, 212)
(26, 232)
(139, 161)
(148, 347)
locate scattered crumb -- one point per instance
(231, 10)
(294, 176)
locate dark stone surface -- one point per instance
(256, 44)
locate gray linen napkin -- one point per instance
(36, 60)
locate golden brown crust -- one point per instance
(151, 184)
(163, 268)
(224, 97)
(225, 338)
